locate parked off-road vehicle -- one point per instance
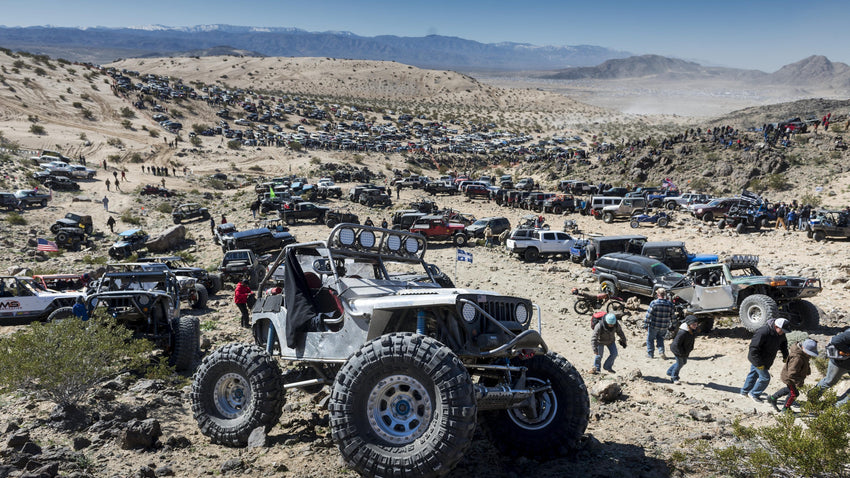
(291, 213)
(72, 238)
(560, 203)
(259, 240)
(179, 266)
(625, 208)
(737, 286)
(152, 190)
(223, 231)
(241, 264)
(439, 228)
(338, 216)
(185, 212)
(61, 183)
(23, 299)
(9, 202)
(374, 197)
(743, 218)
(829, 224)
(75, 221)
(440, 187)
(148, 304)
(190, 291)
(410, 365)
(128, 241)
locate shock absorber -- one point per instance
(420, 322)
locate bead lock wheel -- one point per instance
(399, 409)
(539, 415)
(232, 394)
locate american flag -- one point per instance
(47, 246)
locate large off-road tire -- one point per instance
(663, 221)
(55, 228)
(655, 203)
(236, 389)
(741, 228)
(60, 314)
(202, 294)
(672, 205)
(44, 203)
(634, 223)
(459, 240)
(215, 283)
(186, 339)
(402, 406)
(608, 286)
(290, 220)
(819, 236)
(557, 210)
(557, 420)
(62, 237)
(809, 233)
(116, 253)
(721, 224)
(531, 254)
(706, 324)
(608, 218)
(765, 222)
(330, 223)
(756, 310)
(176, 220)
(804, 315)
(582, 306)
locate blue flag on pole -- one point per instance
(463, 256)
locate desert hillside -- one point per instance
(652, 428)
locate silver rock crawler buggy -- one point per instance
(413, 367)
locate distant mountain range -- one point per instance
(103, 45)
(814, 71)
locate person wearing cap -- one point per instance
(794, 373)
(657, 321)
(682, 346)
(603, 336)
(838, 351)
(767, 341)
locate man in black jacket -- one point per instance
(838, 351)
(682, 346)
(767, 340)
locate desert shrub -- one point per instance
(295, 146)
(64, 360)
(234, 144)
(95, 260)
(809, 198)
(154, 133)
(77, 104)
(777, 182)
(128, 218)
(16, 219)
(37, 129)
(87, 114)
(256, 168)
(186, 256)
(127, 113)
(127, 124)
(115, 142)
(136, 158)
(217, 184)
(164, 208)
(315, 160)
(208, 325)
(199, 128)
(813, 443)
(196, 141)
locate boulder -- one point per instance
(606, 392)
(168, 239)
(141, 434)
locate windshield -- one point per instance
(659, 269)
(480, 222)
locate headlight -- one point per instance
(411, 245)
(144, 300)
(393, 243)
(522, 313)
(366, 239)
(346, 237)
(469, 312)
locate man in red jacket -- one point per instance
(240, 298)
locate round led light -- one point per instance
(393, 243)
(144, 300)
(468, 312)
(366, 239)
(522, 314)
(346, 237)
(94, 302)
(411, 245)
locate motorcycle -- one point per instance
(587, 302)
(660, 218)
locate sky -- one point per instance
(763, 35)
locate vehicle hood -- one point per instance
(367, 296)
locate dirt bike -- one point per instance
(587, 302)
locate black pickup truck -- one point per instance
(291, 213)
(31, 197)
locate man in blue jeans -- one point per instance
(604, 334)
(838, 351)
(657, 321)
(767, 340)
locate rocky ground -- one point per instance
(138, 427)
(636, 434)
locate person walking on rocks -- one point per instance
(838, 351)
(766, 342)
(212, 226)
(488, 236)
(240, 298)
(682, 346)
(657, 321)
(107, 184)
(603, 336)
(111, 223)
(794, 373)
(115, 175)
(105, 201)
(255, 206)
(123, 176)
(368, 222)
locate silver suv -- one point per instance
(624, 209)
(410, 364)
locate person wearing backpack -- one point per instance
(682, 346)
(603, 336)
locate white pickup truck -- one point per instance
(531, 244)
